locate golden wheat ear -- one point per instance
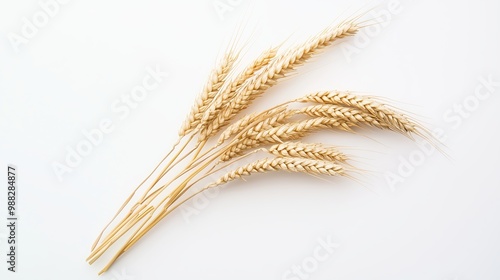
(229, 89)
(272, 72)
(308, 150)
(215, 81)
(370, 107)
(311, 166)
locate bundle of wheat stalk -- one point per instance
(273, 134)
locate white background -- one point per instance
(440, 222)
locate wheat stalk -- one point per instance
(227, 93)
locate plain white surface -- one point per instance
(441, 222)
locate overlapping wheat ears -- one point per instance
(273, 134)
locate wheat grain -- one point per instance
(347, 113)
(257, 65)
(308, 150)
(311, 166)
(268, 123)
(288, 131)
